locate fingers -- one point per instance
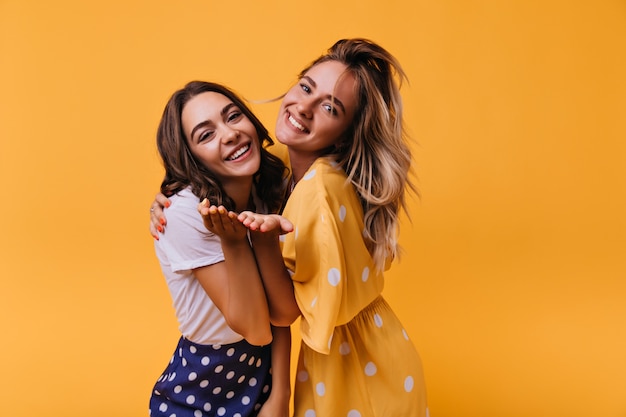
(276, 223)
(153, 231)
(162, 200)
(157, 216)
(220, 221)
(252, 221)
(265, 222)
(203, 207)
(219, 217)
(285, 225)
(208, 212)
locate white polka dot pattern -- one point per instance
(334, 276)
(342, 213)
(234, 379)
(338, 286)
(370, 369)
(365, 274)
(309, 175)
(408, 384)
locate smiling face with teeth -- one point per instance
(220, 136)
(316, 111)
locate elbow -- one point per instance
(259, 339)
(284, 319)
(281, 323)
(254, 334)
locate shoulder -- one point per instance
(183, 212)
(325, 186)
(186, 241)
(183, 203)
(325, 174)
(184, 199)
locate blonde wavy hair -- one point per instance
(374, 152)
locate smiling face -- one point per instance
(221, 137)
(316, 111)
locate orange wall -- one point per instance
(513, 283)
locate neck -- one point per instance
(240, 191)
(300, 163)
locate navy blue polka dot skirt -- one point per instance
(213, 380)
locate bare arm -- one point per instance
(235, 285)
(277, 405)
(215, 219)
(266, 230)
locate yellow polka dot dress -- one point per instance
(356, 360)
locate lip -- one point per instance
(243, 155)
(290, 119)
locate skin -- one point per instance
(226, 141)
(314, 115)
(215, 131)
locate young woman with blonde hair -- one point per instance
(350, 172)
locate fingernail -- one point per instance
(162, 220)
(160, 229)
(167, 204)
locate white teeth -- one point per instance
(239, 152)
(296, 124)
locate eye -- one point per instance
(305, 88)
(204, 136)
(330, 109)
(234, 115)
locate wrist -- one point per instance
(234, 243)
(264, 237)
(280, 394)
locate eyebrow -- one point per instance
(207, 122)
(332, 98)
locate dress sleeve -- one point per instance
(326, 225)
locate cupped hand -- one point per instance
(222, 222)
(265, 223)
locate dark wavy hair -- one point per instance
(182, 168)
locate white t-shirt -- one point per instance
(185, 245)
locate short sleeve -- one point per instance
(327, 254)
(320, 265)
(186, 243)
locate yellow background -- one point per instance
(513, 282)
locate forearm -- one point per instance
(281, 363)
(247, 312)
(278, 285)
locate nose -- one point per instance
(305, 108)
(229, 134)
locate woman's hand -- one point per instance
(265, 223)
(157, 216)
(222, 222)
